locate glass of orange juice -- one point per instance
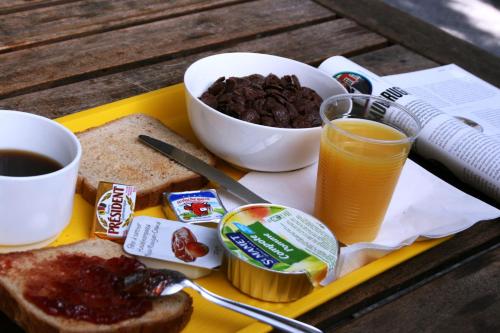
(364, 144)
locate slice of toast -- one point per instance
(19, 270)
(113, 153)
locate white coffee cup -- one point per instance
(35, 209)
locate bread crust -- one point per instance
(32, 319)
(144, 199)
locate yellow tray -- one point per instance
(168, 106)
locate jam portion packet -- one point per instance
(173, 241)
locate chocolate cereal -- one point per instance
(269, 101)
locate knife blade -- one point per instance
(195, 164)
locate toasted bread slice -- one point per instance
(17, 270)
(113, 153)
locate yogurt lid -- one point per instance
(281, 239)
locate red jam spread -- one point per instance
(86, 288)
(7, 261)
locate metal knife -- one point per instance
(198, 166)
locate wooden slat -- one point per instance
(18, 3)
(63, 62)
(393, 60)
(8, 6)
(419, 36)
(349, 307)
(310, 44)
(49, 24)
(464, 300)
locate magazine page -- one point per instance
(473, 156)
(457, 92)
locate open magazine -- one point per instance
(459, 113)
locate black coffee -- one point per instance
(21, 163)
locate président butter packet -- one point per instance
(174, 241)
(114, 210)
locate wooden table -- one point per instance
(62, 56)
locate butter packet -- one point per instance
(174, 241)
(114, 210)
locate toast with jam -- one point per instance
(113, 153)
(80, 288)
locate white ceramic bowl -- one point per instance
(247, 145)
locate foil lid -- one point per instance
(281, 239)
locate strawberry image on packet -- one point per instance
(186, 247)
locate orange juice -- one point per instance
(357, 174)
